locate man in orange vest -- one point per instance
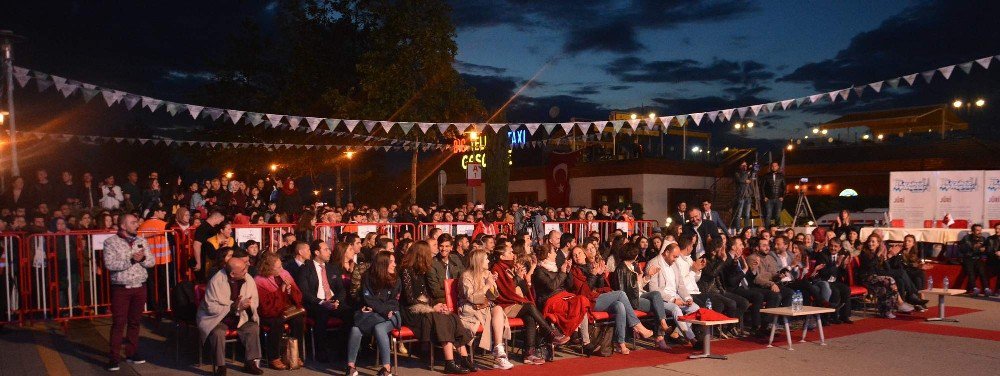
(153, 229)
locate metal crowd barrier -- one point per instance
(330, 232)
(604, 229)
(464, 228)
(11, 272)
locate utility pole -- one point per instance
(413, 176)
(8, 70)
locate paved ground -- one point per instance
(871, 346)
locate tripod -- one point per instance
(754, 198)
(802, 208)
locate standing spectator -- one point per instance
(127, 257)
(130, 190)
(111, 194)
(713, 216)
(201, 235)
(153, 229)
(231, 303)
(744, 196)
(151, 196)
(774, 194)
(90, 194)
(42, 192)
(17, 196)
(679, 216)
(290, 201)
(67, 193)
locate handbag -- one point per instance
(290, 352)
(292, 312)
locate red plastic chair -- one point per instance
(960, 224)
(897, 223)
(231, 335)
(858, 292)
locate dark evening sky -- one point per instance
(590, 56)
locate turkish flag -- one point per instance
(557, 178)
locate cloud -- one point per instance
(925, 36)
(468, 67)
(586, 90)
(619, 87)
(705, 103)
(596, 25)
(634, 69)
(493, 91)
(182, 75)
(535, 109)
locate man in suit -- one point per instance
(301, 254)
(774, 194)
(679, 216)
(713, 216)
(704, 230)
(322, 293)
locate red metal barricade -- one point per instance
(330, 232)
(268, 235)
(604, 229)
(10, 271)
(465, 228)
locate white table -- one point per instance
(809, 312)
(707, 353)
(941, 293)
(928, 235)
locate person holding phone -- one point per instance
(127, 256)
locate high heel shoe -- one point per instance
(622, 349)
(641, 331)
(662, 345)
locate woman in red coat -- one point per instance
(278, 292)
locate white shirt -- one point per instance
(687, 276)
(783, 262)
(700, 247)
(667, 281)
(320, 274)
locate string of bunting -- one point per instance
(402, 146)
(68, 87)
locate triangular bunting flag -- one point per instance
(549, 127)
(369, 125)
(681, 120)
(274, 119)
(845, 93)
(532, 127)
(313, 122)
(331, 124)
(946, 71)
(424, 127)
(785, 103)
(911, 78)
(194, 110)
(583, 126)
(815, 98)
(109, 97)
(697, 118)
(966, 67)
(984, 62)
(617, 125)
(43, 84)
(172, 108)
(634, 123)
(89, 94)
(567, 127)
(742, 111)
(255, 118)
(770, 106)
(21, 71)
(443, 127)
(859, 90)
(213, 113)
(496, 127)
(713, 115)
(235, 115)
(130, 100)
(387, 126)
(877, 86)
(461, 127)
(350, 124)
(727, 114)
(22, 80)
(893, 83)
(68, 89)
(151, 103)
(833, 95)
(928, 75)
(755, 109)
(800, 101)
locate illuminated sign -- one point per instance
(518, 137)
(475, 151)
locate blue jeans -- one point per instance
(824, 289)
(652, 303)
(678, 311)
(742, 216)
(772, 210)
(616, 302)
(381, 334)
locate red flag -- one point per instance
(557, 178)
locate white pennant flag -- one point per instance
(313, 122)
(461, 127)
(770, 106)
(88, 94)
(496, 127)
(293, 121)
(742, 111)
(234, 115)
(109, 97)
(151, 103)
(369, 125)
(274, 119)
(713, 115)
(331, 124)
(567, 127)
(815, 98)
(350, 124)
(966, 67)
(727, 114)
(800, 101)
(443, 127)
(130, 100)
(68, 89)
(387, 126)
(19, 71)
(194, 110)
(697, 118)
(583, 126)
(946, 71)
(22, 80)
(665, 121)
(877, 86)
(985, 62)
(833, 95)
(406, 126)
(532, 127)
(57, 81)
(928, 75)
(858, 90)
(600, 126)
(845, 93)
(213, 113)
(785, 103)
(634, 123)
(424, 127)
(42, 84)
(755, 109)
(910, 79)
(893, 82)
(681, 120)
(549, 127)
(254, 118)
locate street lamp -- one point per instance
(229, 174)
(789, 147)
(349, 154)
(274, 167)
(473, 135)
(980, 102)
(634, 116)
(350, 192)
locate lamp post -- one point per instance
(8, 70)
(967, 105)
(350, 191)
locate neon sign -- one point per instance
(476, 149)
(518, 137)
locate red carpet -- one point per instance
(648, 358)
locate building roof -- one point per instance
(938, 118)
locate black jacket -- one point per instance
(628, 282)
(773, 185)
(732, 275)
(706, 231)
(972, 247)
(309, 284)
(713, 275)
(381, 301)
(547, 283)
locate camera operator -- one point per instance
(774, 194)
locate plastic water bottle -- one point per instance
(975, 291)
(797, 301)
(708, 303)
(944, 284)
(930, 282)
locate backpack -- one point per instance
(184, 304)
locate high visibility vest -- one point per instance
(154, 231)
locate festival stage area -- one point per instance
(905, 346)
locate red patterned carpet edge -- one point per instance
(648, 358)
(950, 330)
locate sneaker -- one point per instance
(135, 359)
(889, 315)
(352, 371)
(905, 308)
(533, 359)
(498, 352)
(560, 340)
(502, 363)
(113, 366)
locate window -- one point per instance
(612, 197)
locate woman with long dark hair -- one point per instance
(871, 264)
(379, 313)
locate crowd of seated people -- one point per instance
(459, 292)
